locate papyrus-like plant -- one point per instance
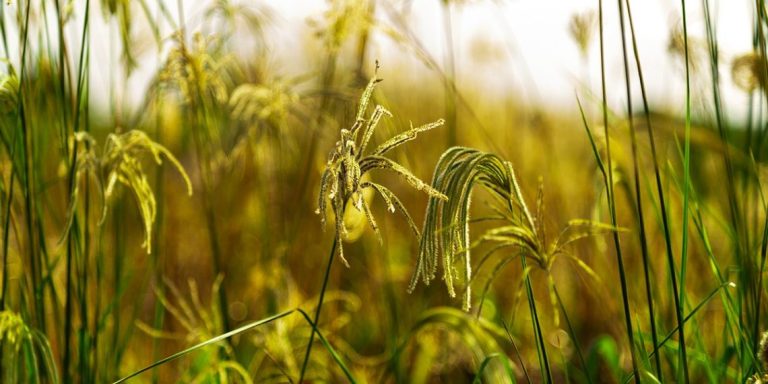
(446, 238)
(342, 180)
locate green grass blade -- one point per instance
(541, 347)
(573, 336)
(335, 355)
(488, 359)
(611, 199)
(210, 341)
(319, 308)
(636, 171)
(686, 199)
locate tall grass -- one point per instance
(610, 195)
(641, 255)
(342, 182)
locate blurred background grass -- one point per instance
(250, 98)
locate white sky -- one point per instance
(534, 55)
(537, 57)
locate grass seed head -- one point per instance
(446, 240)
(9, 90)
(197, 71)
(13, 330)
(581, 28)
(262, 103)
(748, 72)
(121, 162)
(762, 350)
(349, 162)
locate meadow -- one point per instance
(182, 202)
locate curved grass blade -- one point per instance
(685, 320)
(330, 348)
(609, 181)
(214, 340)
(504, 361)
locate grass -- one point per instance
(595, 244)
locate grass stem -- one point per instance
(612, 203)
(331, 256)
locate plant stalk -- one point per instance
(612, 203)
(319, 308)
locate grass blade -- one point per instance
(213, 340)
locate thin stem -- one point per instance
(517, 352)
(203, 163)
(540, 345)
(680, 297)
(638, 196)
(612, 203)
(157, 265)
(7, 227)
(200, 114)
(450, 73)
(27, 190)
(319, 308)
(572, 333)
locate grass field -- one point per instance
(179, 204)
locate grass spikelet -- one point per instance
(120, 162)
(446, 239)
(259, 102)
(195, 71)
(343, 19)
(9, 91)
(13, 330)
(23, 348)
(581, 29)
(748, 71)
(762, 358)
(446, 223)
(349, 162)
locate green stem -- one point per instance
(540, 345)
(680, 297)
(4, 34)
(35, 264)
(319, 308)
(638, 196)
(157, 265)
(612, 203)
(200, 114)
(7, 226)
(572, 333)
(657, 172)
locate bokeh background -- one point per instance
(113, 109)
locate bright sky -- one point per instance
(536, 56)
(526, 44)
